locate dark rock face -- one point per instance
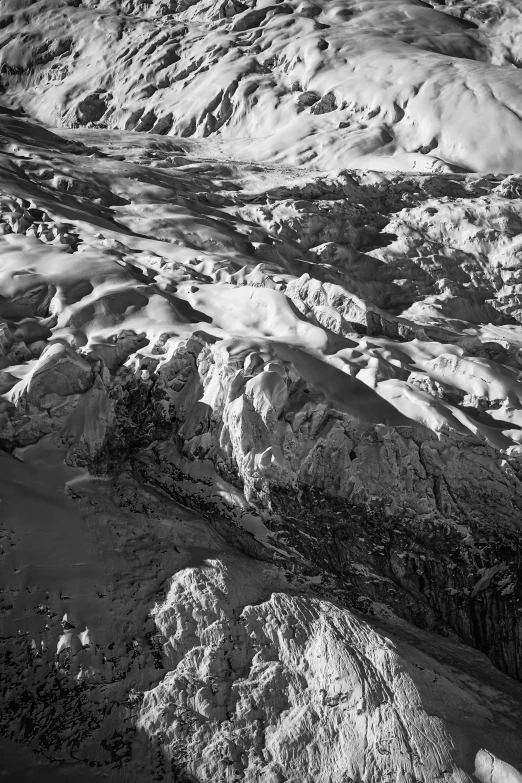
(425, 571)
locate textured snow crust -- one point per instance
(260, 392)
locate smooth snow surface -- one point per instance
(261, 391)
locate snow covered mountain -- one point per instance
(261, 391)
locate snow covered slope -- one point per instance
(260, 392)
(383, 84)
